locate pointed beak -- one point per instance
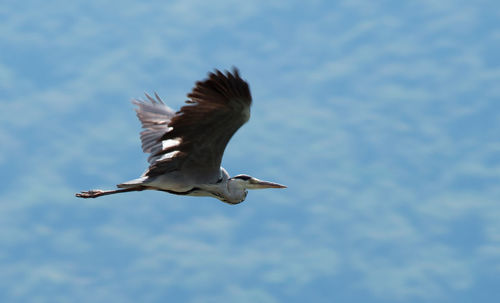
(258, 184)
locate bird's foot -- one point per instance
(90, 194)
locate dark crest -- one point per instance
(242, 177)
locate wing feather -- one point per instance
(155, 117)
(216, 109)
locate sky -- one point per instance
(381, 117)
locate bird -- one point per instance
(186, 147)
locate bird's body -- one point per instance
(224, 189)
(186, 147)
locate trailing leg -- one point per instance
(97, 192)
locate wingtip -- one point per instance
(232, 72)
(236, 71)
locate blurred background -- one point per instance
(382, 117)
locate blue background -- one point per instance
(382, 117)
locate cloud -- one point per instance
(379, 119)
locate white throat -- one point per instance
(236, 191)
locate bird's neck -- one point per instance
(234, 191)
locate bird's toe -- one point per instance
(89, 193)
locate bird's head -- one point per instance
(248, 182)
(238, 188)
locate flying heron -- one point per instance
(186, 147)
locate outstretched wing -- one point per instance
(197, 135)
(155, 117)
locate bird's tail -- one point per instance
(132, 183)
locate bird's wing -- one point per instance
(155, 117)
(216, 109)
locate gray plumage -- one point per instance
(155, 117)
(186, 147)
